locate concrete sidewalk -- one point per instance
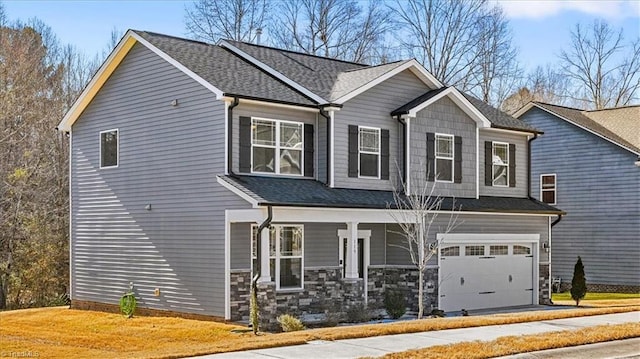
(381, 345)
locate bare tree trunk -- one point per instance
(421, 293)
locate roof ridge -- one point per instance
(561, 106)
(613, 108)
(175, 37)
(297, 52)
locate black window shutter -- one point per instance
(353, 151)
(457, 160)
(308, 150)
(512, 165)
(488, 163)
(431, 156)
(245, 144)
(384, 154)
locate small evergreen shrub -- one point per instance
(358, 313)
(128, 304)
(394, 303)
(289, 323)
(578, 282)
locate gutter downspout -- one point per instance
(324, 114)
(535, 135)
(557, 220)
(254, 281)
(404, 148)
(235, 103)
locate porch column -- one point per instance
(265, 275)
(351, 270)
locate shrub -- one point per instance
(578, 283)
(289, 323)
(357, 313)
(394, 303)
(128, 304)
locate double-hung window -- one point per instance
(277, 146)
(548, 188)
(500, 160)
(109, 148)
(285, 255)
(444, 158)
(369, 151)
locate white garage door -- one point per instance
(477, 276)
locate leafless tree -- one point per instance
(340, 29)
(605, 70)
(544, 84)
(210, 20)
(418, 215)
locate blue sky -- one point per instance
(540, 27)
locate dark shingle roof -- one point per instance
(580, 117)
(310, 193)
(404, 109)
(225, 70)
(498, 118)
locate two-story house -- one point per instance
(188, 158)
(588, 163)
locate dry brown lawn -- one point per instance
(523, 343)
(60, 332)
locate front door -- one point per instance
(343, 256)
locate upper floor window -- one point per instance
(548, 188)
(444, 158)
(285, 255)
(369, 151)
(500, 160)
(109, 148)
(277, 146)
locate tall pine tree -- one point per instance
(578, 283)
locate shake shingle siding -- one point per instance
(599, 188)
(168, 159)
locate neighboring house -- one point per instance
(588, 164)
(181, 150)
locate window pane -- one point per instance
(450, 251)
(549, 196)
(369, 140)
(474, 250)
(291, 135)
(290, 273)
(498, 250)
(500, 175)
(291, 162)
(264, 159)
(521, 250)
(548, 181)
(444, 146)
(444, 169)
(109, 148)
(500, 154)
(368, 165)
(264, 132)
(290, 241)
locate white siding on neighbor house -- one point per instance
(598, 186)
(373, 108)
(520, 140)
(169, 158)
(444, 117)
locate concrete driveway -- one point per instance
(381, 345)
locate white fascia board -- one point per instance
(524, 109)
(413, 65)
(237, 192)
(459, 100)
(219, 94)
(530, 105)
(270, 70)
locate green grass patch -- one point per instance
(596, 296)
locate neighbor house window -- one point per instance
(285, 255)
(500, 164)
(548, 188)
(277, 146)
(369, 151)
(109, 147)
(444, 158)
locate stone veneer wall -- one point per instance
(603, 288)
(544, 285)
(405, 280)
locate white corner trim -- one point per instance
(237, 192)
(270, 70)
(413, 65)
(227, 266)
(462, 102)
(179, 66)
(478, 163)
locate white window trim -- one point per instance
(452, 159)
(278, 148)
(379, 153)
(555, 188)
(117, 147)
(277, 258)
(493, 182)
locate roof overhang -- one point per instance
(107, 68)
(412, 65)
(459, 99)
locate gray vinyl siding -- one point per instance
(373, 108)
(169, 158)
(472, 223)
(598, 186)
(321, 150)
(275, 113)
(520, 190)
(444, 117)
